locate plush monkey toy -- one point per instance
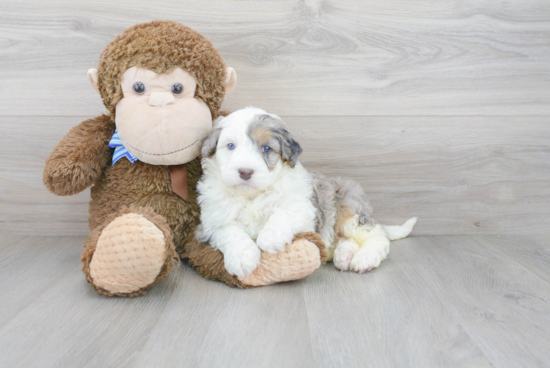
(163, 85)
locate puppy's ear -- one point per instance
(210, 142)
(290, 149)
(217, 121)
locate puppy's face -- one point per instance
(250, 148)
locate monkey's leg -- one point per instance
(298, 260)
(130, 253)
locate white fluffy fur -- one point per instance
(241, 217)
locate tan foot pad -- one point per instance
(300, 259)
(129, 254)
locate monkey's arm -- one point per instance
(79, 158)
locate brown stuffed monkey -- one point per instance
(163, 85)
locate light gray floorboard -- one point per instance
(384, 318)
(501, 304)
(32, 265)
(9, 243)
(436, 301)
(70, 325)
(533, 252)
(211, 325)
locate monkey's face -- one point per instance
(164, 103)
(159, 120)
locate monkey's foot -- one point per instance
(298, 260)
(132, 253)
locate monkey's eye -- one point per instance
(266, 149)
(177, 88)
(231, 146)
(139, 88)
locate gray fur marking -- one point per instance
(210, 142)
(288, 148)
(331, 194)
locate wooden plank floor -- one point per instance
(436, 301)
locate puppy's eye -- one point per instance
(231, 146)
(177, 88)
(139, 88)
(266, 149)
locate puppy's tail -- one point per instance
(400, 232)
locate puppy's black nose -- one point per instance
(245, 174)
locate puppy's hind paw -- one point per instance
(365, 261)
(343, 256)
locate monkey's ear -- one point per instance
(230, 80)
(92, 78)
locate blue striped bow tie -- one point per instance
(120, 150)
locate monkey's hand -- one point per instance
(79, 158)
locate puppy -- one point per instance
(255, 195)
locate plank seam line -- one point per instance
(306, 116)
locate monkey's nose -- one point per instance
(160, 99)
(245, 174)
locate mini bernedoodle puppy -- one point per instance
(255, 195)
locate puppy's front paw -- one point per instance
(274, 240)
(242, 259)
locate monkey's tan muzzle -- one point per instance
(160, 99)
